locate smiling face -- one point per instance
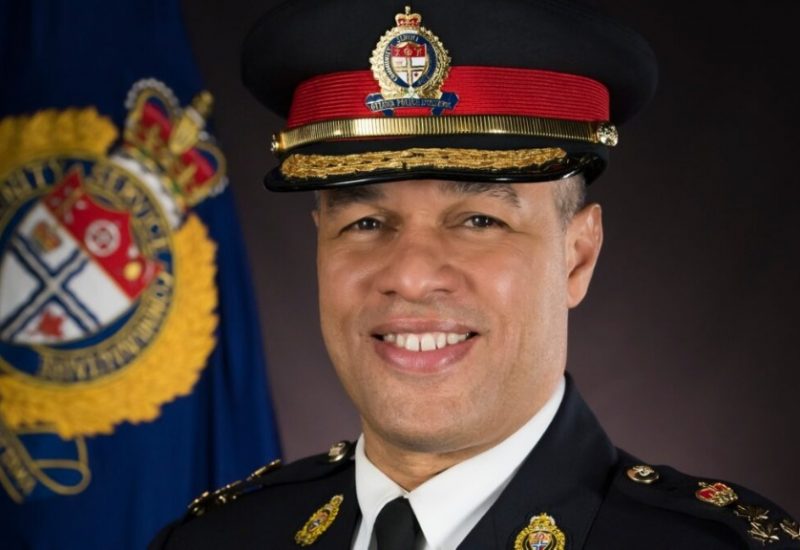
(444, 305)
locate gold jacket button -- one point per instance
(642, 473)
(338, 451)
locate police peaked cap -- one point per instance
(487, 90)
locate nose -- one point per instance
(418, 267)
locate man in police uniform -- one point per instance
(445, 289)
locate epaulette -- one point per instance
(231, 491)
(260, 478)
(755, 519)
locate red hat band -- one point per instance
(490, 100)
(480, 91)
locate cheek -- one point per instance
(521, 283)
(343, 284)
(337, 302)
(525, 292)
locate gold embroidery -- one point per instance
(20, 472)
(764, 532)
(51, 132)
(791, 528)
(324, 166)
(751, 513)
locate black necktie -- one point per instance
(396, 527)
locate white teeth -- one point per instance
(426, 341)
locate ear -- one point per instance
(583, 239)
(315, 216)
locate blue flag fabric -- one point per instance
(131, 371)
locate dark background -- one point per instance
(685, 347)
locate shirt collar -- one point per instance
(450, 504)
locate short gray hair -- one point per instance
(570, 197)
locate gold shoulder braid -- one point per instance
(231, 491)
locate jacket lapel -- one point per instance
(565, 476)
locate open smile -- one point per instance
(423, 347)
(424, 341)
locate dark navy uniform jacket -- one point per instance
(574, 474)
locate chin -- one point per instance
(429, 433)
(428, 442)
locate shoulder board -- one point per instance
(273, 473)
(755, 519)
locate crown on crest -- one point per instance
(408, 20)
(171, 142)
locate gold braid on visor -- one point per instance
(300, 166)
(360, 128)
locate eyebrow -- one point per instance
(502, 191)
(341, 197)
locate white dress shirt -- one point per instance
(450, 504)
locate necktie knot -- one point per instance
(396, 527)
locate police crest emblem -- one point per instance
(410, 64)
(319, 522)
(105, 274)
(540, 534)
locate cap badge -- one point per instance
(410, 64)
(319, 522)
(717, 494)
(540, 534)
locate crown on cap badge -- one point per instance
(410, 64)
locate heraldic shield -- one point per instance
(105, 274)
(409, 62)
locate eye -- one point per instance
(364, 224)
(482, 221)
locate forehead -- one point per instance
(338, 198)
